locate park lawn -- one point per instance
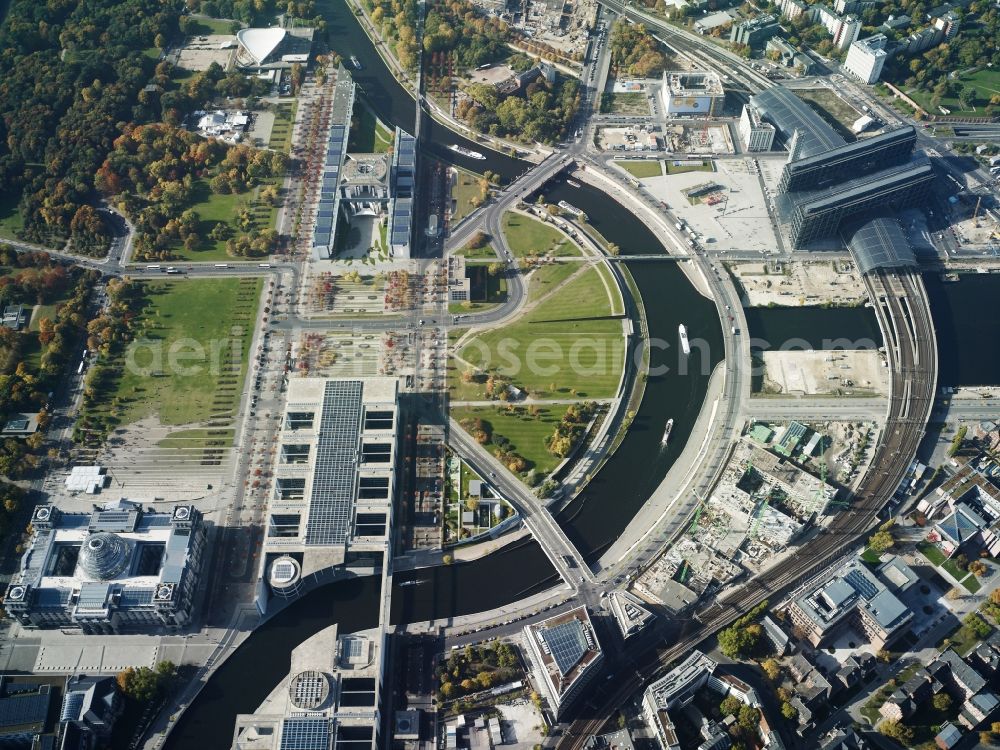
(281, 131)
(706, 166)
(986, 81)
(617, 304)
(931, 552)
(384, 138)
(567, 346)
(972, 583)
(953, 570)
(545, 278)
(203, 26)
(486, 252)
(526, 433)
(191, 313)
(42, 311)
(464, 194)
(871, 556)
(963, 639)
(529, 236)
(11, 221)
(641, 169)
(215, 207)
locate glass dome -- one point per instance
(104, 556)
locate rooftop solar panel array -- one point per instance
(24, 709)
(336, 465)
(307, 733)
(861, 584)
(568, 643)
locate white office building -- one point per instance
(755, 133)
(866, 58)
(565, 655)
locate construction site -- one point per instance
(723, 204)
(764, 502)
(697, 138)
(562, 25)
(781, 284)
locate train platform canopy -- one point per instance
(790, 114)
(881, 243)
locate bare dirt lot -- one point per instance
(199, 55)
(800, 284)
(816, 373)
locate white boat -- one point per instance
(412, 583)
(573, 183)
(466, 152)
(355, 62)
(666, 431)
(683, 332)
(572, 209)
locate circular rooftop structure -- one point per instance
(309, 690)
(104, 556)
(285, 573)
(260, 43)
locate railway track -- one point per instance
(901, 305)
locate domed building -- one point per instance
(267, 49)
(118, 569)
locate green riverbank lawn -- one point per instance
(526, 432)
(641, 169)
(528, 236)
(195, 319)
(569, 346)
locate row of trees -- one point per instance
(107, 334)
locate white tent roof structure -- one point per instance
(260, 43)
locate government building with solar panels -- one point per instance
(118, 569)
(330, 501)
(565, 656)
(331, 698)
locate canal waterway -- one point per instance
(385, 94)
(798, 328)
(593, 520)
(262, 660)
(967, 328)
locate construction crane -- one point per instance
(702, 504)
